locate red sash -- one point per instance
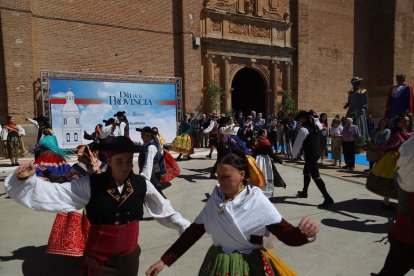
(105, 241)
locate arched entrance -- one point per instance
(248, 92)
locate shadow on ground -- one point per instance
(36, 262)
(196, 174)
(371, 207)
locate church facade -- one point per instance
(252, 49)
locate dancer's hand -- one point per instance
(155, 268)
(308, 227)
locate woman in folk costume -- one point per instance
(172, 168)
(11, 135)
(233, 141)
(70, 230)
(183, 144)
(238, 216)
(114, 201)
(400, 258)
(263, 152)
(50, 156)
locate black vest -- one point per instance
(312, 143)
(108, 206)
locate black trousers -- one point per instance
(349, 153)
(311, 167)
(400, 259)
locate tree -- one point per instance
(288, 103)
(215, 93)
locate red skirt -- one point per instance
(173, 170)
(69, 234)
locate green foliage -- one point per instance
(215, 93)
(288, 103)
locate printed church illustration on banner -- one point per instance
(71, 131)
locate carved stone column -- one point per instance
(273, 98)
(288, 81)
(226, 84)
(209, 69)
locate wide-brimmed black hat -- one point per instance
(119, 144)
(147, 130)
(119, 113)
(355, 79)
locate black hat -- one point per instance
(109, 121)
(302, 114)
(355, 79)
(119, 113)
(119, 144)
(40, 118)
(147, 130)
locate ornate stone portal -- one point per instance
(252, 34)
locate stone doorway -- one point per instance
(248, 92)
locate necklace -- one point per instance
(220, 209)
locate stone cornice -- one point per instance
(248, 49)
(242, 18)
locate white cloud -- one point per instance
(104, 93)
(59, 95)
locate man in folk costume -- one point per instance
(151, 162)
(114, 202)
(41, 123)
(357, 104)
(11, 136)
(309, 137)
(400, 99)
(122, 123)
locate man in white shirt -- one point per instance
(114, 202)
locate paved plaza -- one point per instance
(348, 242)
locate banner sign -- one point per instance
(79, 105)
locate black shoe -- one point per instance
(17, 164)
(326, 203)
(302, 194)
(208, 155)
(213, 176)
(345, 167)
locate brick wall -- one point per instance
(107, 36)
(324, 42)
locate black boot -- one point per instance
(306, 182)
(322, 188)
